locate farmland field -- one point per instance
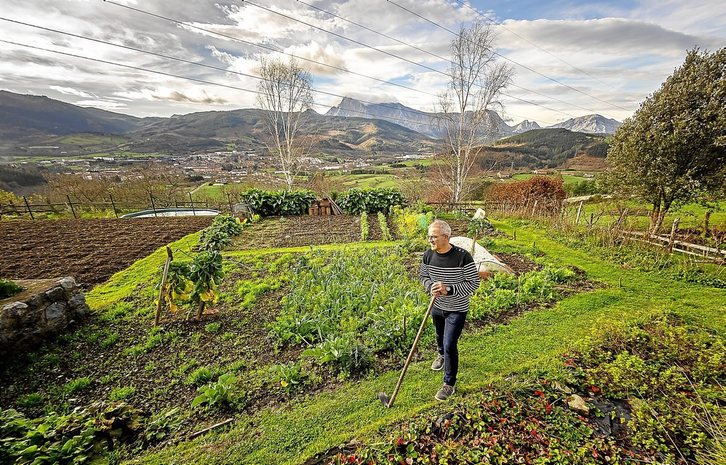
(312, 322)
(91, 250)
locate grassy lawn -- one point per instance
(691, 215)
(530, 344)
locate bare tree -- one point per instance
(285, 93)
(476, 82)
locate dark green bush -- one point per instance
(278, 203)
(8, 288)
(356, 201)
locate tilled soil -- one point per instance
(293, 231)
(90, 250)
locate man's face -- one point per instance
(437, 240)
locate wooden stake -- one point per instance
(579, 212)
(672, 238)
(191, 202)
(71, 205)
(160, 304)
(29, 210)
(113, 205)
(153, 207)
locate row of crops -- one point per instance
(349, 306)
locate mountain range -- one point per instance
(44, 126)
(426, 123)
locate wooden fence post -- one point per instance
(579, 212)
(153, 207)
(706, 221)
(160, 304)
(674, 228)
(70, 204)
(29, 210)
(191, 202)
(113, 205)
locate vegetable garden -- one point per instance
(285, 345)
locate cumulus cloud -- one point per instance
(164, 94)
(71, 91)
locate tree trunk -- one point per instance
(201, 309)
(706, 223)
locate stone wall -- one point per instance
(44, 309)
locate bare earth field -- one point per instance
(90, 250)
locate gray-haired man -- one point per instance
(449, 273)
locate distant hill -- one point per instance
(542, 148)
(40, 125)
(22, 115)
(593, 124)
(43, 126)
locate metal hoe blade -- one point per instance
(384, 398)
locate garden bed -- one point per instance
(90, 250)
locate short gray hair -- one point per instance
(443, 226)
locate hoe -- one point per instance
(388, 402)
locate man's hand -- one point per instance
(438, 289)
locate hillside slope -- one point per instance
(540, 148)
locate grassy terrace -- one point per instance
(529, 344)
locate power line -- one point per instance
(509, 59)
(393, 54)
(181, 60)
(202, 81)
(266, 47)
(443, 59)
(338, 68)
(466, 5)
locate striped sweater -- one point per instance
(454, 268)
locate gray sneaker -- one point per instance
(445, 392)
(438, 363)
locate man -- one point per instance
(448, 273)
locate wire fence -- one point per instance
(76, 208)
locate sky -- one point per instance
(569, 58)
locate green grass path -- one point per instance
(298, 431)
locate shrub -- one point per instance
(356, 201)
(548, 192)
(278, 203)
(219, 234)
(8, 288)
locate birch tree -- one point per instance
(476, 81)
(285, 93)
